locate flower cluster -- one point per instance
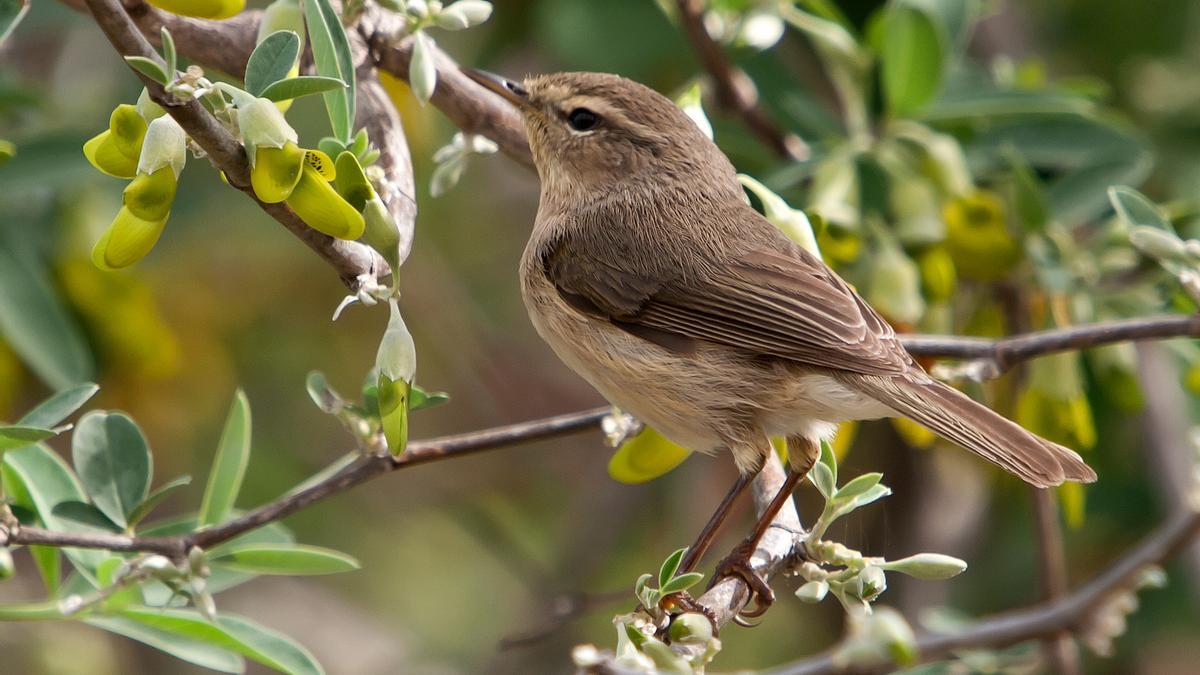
(148, 147)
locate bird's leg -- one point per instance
(683, 601)
(705, 539)
(802, 455)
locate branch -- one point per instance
(418, 452)
(1072, 613)
(735, 90)
(349, 259)
(468, 105)
(998, 355)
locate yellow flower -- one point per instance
(319, 205)
(115, 151)
(127, 240)
(276, 172)
(147, 198)
(201, 9)
(977, 236)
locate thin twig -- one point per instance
(418, 452)
(1072, 613)
(735, 90)
(1004, 353)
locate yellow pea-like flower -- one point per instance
(149, 196)
(201, 9)
(320, 206)
(127, 240)
(977, 236)
(276, 172)
(115, 151)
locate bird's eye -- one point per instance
(582, 119)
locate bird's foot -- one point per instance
(738, 563)
(683, 602)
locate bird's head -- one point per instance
(592, 132)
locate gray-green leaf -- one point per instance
(113, 463)
(232, 633)
(229, 466)
(148, 67)
(331, 56)
(289, 559)
(157, 497)
(304, 85)
(58, 407)
(19, 436)
(271, 61)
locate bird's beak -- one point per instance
(511, 91)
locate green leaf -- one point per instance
(113, 461)
(419, 398)
(303, 85)
(59, 407)
(229, 466)
(157, 497)
(331, 55)
(168, 50)
(291, 559)
(49, 566)
(36, 325)
(1136, 210)
(193, 651)
(85, 515)
(823, 479)
(121, 597)
(271, 61)
(322, 394)
(12, 437)
(11, 13)
(872, 495)
(681, 583)
(670, 566)
(148, 67)
(232, 633)
(829, 459)
(858, 486)
(912, 57)
(36, 478)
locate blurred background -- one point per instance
(462, 557)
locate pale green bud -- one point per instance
(928, 566)
(422, 70)
(791, 222)
(813, 591)
(147, 108)
(463, 14)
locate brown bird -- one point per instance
(649, 274)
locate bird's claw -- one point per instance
(738, 563)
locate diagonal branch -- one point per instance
(735, 90)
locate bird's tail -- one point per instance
(954, 416)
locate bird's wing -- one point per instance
(787, 305)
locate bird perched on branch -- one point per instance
(650, 276)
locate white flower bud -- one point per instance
(928, 566)
(165, 145)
